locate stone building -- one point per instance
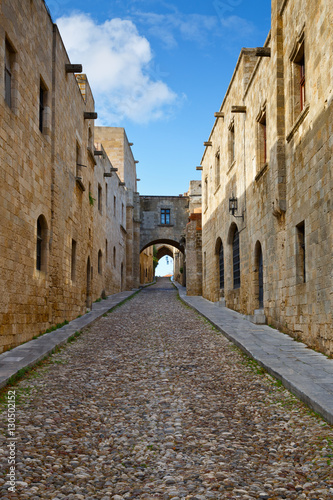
(267, 179)
(193, 241)
(67, 225)
(147, 265)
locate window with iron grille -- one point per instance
(221, 267)
(236, 259)
(165, 215)
(73, 263)
(39, 246)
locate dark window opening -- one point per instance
(99, 197)
(99, 266)
(9, 55)
(41, 108)
(300, 253)
(73, 263)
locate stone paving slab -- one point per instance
(28, 354)
(304, 372)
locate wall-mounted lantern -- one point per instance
(233, 207)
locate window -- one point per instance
(73, 261)
(41, 244)
(236, 259)
(165, 215)
(106, 251)
(100, 198)
(43, 94)
(298, 97)
(9, 61)
(106, 194)
(221, 267)
(99, 264)
(90, 139)
(114, 257)
(261, 139)
(300, 253)
(78, 163)
(122, 213)
(231, 142)
(206, 193)
(217, 169)
(114, 205)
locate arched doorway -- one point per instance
(88, 290)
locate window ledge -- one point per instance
(80, 183)
(261, 172)
(301, 117)
(165, 225)
(231, 166)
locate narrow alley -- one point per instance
(151, 402)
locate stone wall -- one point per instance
(273, 153)
(62, 244)
(154, 229)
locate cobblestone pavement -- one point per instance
(152, 402)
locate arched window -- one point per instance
(221, 266)
(100, 262)
(41, 244)
(236, 259)
(259, 276)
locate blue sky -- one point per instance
(160, 69)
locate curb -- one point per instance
(32, 352)
(304, 390)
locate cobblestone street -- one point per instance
(152, 402)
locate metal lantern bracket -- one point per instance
(233, 207)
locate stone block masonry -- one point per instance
(67, 225)
(275, 157)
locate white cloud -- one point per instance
(117, 61)
(192, 27)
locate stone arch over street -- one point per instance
(163, 220)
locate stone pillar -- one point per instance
(194, 255)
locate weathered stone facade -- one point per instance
(163, 220)
(147, 265)
(62, 245)
(193, 241)
(271, 148)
